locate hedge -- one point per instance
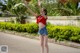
(30, 28)
(70, 33)
(64, 33)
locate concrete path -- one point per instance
(17, 44)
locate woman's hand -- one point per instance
(39, 3)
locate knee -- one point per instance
(42, 44)
(46, 45)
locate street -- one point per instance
(18, 44)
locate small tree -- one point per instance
(20, 11)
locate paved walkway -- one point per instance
(19, 44)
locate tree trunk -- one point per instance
(23, 20)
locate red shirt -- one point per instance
(41, 19)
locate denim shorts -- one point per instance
(43, 31)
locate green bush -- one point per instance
(61, 33)
(30, 28)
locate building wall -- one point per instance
(60, 20)
(56, 20)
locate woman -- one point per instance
(41, 21)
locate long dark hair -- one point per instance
(45, 10)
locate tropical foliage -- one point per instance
(58, 8)
(69, 7)
(18, 8)
(3, 7)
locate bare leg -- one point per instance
(42, 43)
(46, 43)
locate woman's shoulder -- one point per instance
(45, 16)
(42, 16)
(38, 16)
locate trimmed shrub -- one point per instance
(61, 33)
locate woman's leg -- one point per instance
(46, 43)
(42, 43)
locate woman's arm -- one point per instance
(33, 13)
(39, 5)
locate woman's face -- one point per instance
(42, 12)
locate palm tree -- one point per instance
(20, 11)
(11, 3)
(17, 8)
